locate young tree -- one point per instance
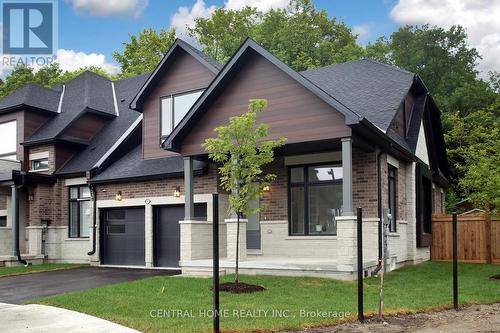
(241, 150)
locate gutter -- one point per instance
(379, 207)
(16, 221)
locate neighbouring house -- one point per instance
(113, 173)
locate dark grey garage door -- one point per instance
(167, 233)
(123, 236)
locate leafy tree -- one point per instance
(300, 35)
(143, 52)
(242, 150)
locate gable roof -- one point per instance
(371, 89)
(106, 139)
(204, 59)
(249, 47)
(32, 95)
(88, 92)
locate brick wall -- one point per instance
(4, 192)
(161, 187)
(364, 182)
(50, 202)
(436, 197)
(277, 198)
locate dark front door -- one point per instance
(123, 236)
(167, 235)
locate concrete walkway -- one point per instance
(41, 318)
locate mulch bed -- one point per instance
(240, 288)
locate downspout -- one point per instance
(15, 214)
(94, 220)
(379, 207)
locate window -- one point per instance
(315, 199)
(3, 221)
(40, 164)
(8, 143)
(79, 211)
(393, 188)
(174, 108)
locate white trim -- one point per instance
(75, 181)
(59, 107)
(118, 142)
(392, 161)
(114, 99)
(3, 212)
(310, 237)
(39, 156)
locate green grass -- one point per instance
(18, 270)
(415, 288)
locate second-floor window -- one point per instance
(173, 108)
(41, 164)
(9, 140)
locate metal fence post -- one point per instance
(455, 261)
(360, 263)
(215, 255)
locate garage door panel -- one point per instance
(124, 233)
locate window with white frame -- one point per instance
(173, 108)
(40, 164)
(8, 144)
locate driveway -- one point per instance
(21, 288)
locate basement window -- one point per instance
(174, 108)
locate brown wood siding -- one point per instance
(184, 74)
(86, 127)
(293, 111)
(63, 154)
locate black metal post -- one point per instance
(360, 264)
(215, 255)
(455, 262)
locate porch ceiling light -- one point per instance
(118, 196)
(177, 191)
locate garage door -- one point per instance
(123, 236)
(167, 233)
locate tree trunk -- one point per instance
(237, 246)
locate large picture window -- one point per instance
(393, 190)
(174, 108)
(79, 211)
(315, 199)
(9, 140)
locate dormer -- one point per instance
(168, 94)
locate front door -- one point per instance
(167, 235)
(253, 228)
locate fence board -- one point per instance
(478, 238)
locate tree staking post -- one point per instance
(455, 261)
(361, 317)
(215, 255)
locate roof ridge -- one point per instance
(388, 65)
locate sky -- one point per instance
(90, 30)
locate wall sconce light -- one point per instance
(118, 196)
(31, 196)
(177, 191)
(266, 188)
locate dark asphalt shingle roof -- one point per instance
(32, 95)
(125, 90)
(132, 165)
(369, 88)
(203, 55)
(87, 92)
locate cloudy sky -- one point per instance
(90, 30)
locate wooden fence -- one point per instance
(478, 238)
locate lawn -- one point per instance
(17, 270)
(288, 303)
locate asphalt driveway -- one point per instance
(21, 288)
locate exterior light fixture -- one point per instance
(118, 196)
(266, 188)
(177, 191)
(31, 196)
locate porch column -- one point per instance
(347, 177)
(14, 201)
(188, 189)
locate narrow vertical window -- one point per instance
(79, 211)
(393, 188)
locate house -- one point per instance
(114, 173)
